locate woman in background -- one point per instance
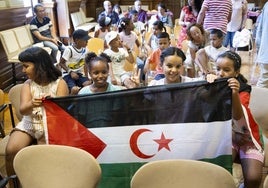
(237, 22)
(163, 16)
(188, 16)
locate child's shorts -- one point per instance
(249, 152)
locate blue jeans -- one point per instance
(54, 49)
(71, 82)
(228, 39)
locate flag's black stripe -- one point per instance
(175, 103)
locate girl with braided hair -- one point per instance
(98, 69)
(247, 147)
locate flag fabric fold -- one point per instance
(125, 129)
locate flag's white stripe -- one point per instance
(190, 141)
(45, 125)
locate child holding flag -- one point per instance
(98, 69)
(247, 147)
(44, 80)
(171, 62)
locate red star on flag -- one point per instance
(163, 142)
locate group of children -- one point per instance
(88, 73)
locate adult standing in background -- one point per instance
(237, 22)
(142, 14)
(215, 14)
(162, 15)
(188, 16)
(108, 11)
(42, 31)
(262, 41)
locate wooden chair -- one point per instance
(58, 166)
(14, 98)
(83, 15)
(265, 183)
(12, 49)
(181, 173)
(185, 46)
(80, 22)
(259, 108)
(177, 30)
(3, 107)
(95, 45)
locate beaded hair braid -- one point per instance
(233, 56)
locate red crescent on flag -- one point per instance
(134, 143)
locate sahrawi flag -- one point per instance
(125, 129)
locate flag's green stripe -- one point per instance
(224, 160)
(118, 175)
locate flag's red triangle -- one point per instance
(63, 129)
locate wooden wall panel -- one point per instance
(9, 18)
(65, 26)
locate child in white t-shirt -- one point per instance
(72, 62)
(206, 57)
(119, 54)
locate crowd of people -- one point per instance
(208, 25)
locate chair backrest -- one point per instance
(184, 45)
(181, 173)
(259, 108)
(249, 24)
(2, 100)
(23, 37)
(265, 183)
(14, 98)
(75, 19)
(95, 45)
(29, 32)
(56, 166)
(10, 45)
(83, 15)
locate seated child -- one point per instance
(206, 57)
(153, 61)
(172, 60)
(98, 70)
(126, 33)
(119, 53)
(104, 26)
(246, 137)
(157, 28)
(198, 38)
(72, 62)
(139, 27)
